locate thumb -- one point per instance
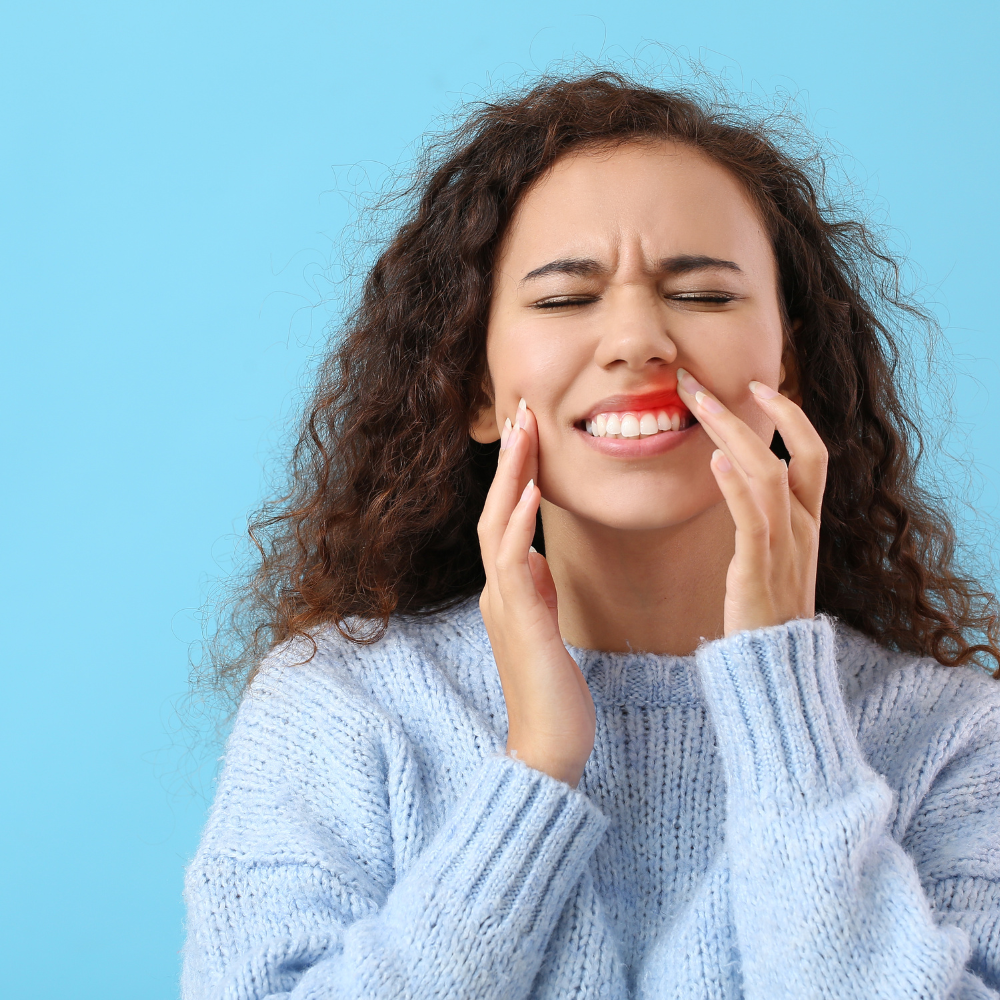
(542, 577)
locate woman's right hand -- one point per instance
(550, 713)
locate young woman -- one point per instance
(712, 725)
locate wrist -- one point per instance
(555, 765)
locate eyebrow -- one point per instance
(586, 267)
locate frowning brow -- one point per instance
(685, 263)
(585, 267)
(579, 267)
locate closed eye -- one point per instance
(712, 297)
(709, 298)
(560, 303)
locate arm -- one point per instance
(297, 892)
(825, 902)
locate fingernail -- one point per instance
(691, 384)
(528, 489)
(706, 402)
(764, 391)
(531, 548)
(522, 413)
(505, 434)
(723, 463)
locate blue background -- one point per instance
(169, 205)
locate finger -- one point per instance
(753, 533)
(542, 577)
(513, 574)
(807, 469)
(500, 502)
(508, 482)
(766, 473)
(525, 419)
(504, 434)
(546, 588)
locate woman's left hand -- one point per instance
(776, 507)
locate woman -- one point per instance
(714, 727)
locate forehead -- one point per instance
(660, 198)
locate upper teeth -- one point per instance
(634, 425)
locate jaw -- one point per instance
(646, 485)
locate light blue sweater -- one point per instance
(792, 812)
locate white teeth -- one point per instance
(633, 425)
(630, 426)
(647, 424)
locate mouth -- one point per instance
(642, 424)
(634, 427)
(637, 417)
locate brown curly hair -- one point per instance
(387, 486)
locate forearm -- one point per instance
(825, 903)
(470, 919)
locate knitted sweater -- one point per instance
(790, 812)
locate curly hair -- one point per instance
(386, 486)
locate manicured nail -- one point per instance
(706, 402)
(505, 434)
(522, 413)
(691, 384)
(764, 391)
(531, 548)
(528, 489)
(722, 463)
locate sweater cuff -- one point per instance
(776, 703)
(516, 845)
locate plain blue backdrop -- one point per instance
(169, 202)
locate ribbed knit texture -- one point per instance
(791, 812)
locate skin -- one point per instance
(649, 550)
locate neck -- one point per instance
(659, 591)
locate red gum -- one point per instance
(652, 402)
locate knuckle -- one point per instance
(818, 453)
(504, 563)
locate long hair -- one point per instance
(386, 486)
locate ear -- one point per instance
(483, 426)
(789, 384)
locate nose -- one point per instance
(635, 335)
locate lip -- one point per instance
(659, 400)
(657, 444)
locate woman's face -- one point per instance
(618, 268)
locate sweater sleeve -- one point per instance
(286, 900)
(824, 901)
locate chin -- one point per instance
(636, 506)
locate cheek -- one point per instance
(530, 360)
(755, 355)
